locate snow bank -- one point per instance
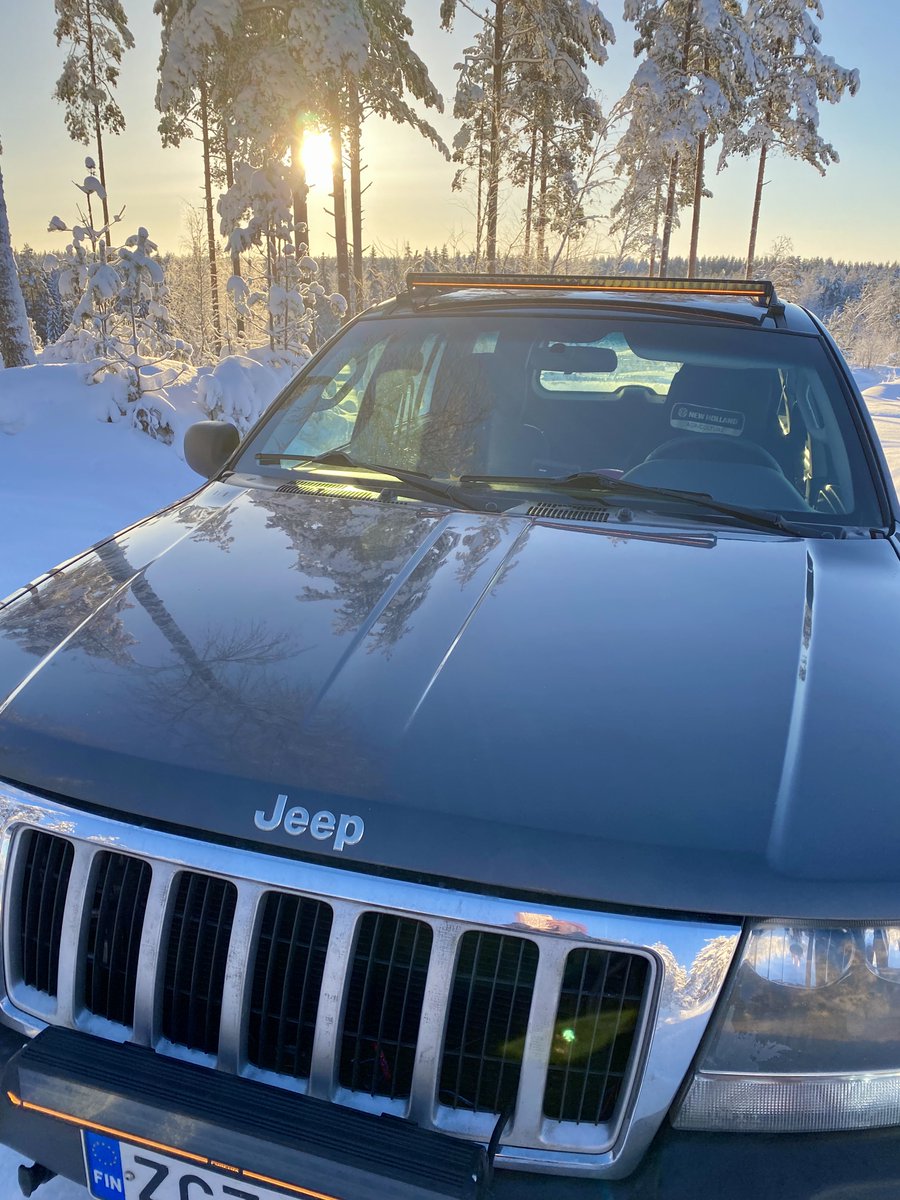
(880, 387)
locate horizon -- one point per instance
(410, 199)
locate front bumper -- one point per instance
(234, 1118)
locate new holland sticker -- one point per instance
(699, 419)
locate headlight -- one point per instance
(806, 1036)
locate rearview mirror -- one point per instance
(208, 445)
(564, 359)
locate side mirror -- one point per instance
(208, 445)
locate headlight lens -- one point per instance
(806, 1036)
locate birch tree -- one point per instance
(97, 35)
(16, 349)
(783, 110)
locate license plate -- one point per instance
(119, 1171)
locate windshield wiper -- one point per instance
(413, 479)
(591, 482)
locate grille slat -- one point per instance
(117, 907)
(287, 978)
(199, 934)
(599, 1008)
(487, 1021)
(384, 1003)
(45, 882)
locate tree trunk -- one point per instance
(15, 339)
(300, 194)
(493, 192)
(210, 223)
(698, 197)
(356, 194)
(340, 211)
(669, 219)
(542, 200)
(757, 200)
(653, 239)
(529, 202)
(672, 196)
(229, 183)
(98, 133)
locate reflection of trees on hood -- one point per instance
(50, 612)
(212, 526)
(357, 556)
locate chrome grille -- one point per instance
(389, 996)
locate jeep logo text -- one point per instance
(345, 829)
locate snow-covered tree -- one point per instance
(392, 70)
(783, 110)
(286, 302)
(524, 74)
(198, 68)
(96, 34)
(16, 349)
(697, 64)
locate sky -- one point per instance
(853, 213)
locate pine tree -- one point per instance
(16, 349)
(193, 95)
(97, 34)
(531, 53)
(783, 111)
(698, 64)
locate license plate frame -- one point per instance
(117, 1169)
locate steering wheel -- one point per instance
(716, 447)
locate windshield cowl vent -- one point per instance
(567, 512)
(343, 491)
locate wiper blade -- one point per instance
(605, 485)
(414, 479)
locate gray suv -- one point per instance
(483, 784)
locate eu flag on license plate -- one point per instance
(106, 1180)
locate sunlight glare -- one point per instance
(317, 159)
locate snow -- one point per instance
(73, 469)
(880, 387)
(69, 477)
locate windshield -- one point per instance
(749, 417)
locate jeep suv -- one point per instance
(483, 784)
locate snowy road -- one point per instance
(67, 479)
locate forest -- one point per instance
(558, 180)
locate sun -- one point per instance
(317, 158)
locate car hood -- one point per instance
(680, 721)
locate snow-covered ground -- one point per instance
(69, 477)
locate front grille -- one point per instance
(296, 974)
(45, 881)
(199, 935)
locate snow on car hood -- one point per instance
(694, 725)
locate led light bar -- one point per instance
(762, 291)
